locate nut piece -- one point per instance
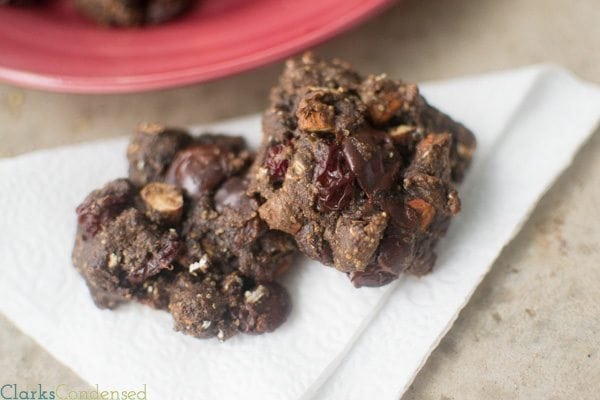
(201, 265)
(257, 294)
(164, 202)
(314, 115)
(385, 97)
(425, 210)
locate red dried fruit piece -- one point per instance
(103, 205)
(163, 259)
(277, 161)
(334, 180)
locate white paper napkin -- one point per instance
(521, 151)
(340, 342)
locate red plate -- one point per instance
(52, 47)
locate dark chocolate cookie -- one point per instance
(361, 171)
(182, 234)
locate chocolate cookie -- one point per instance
(132, 12)
(361, 171)
(183, 235)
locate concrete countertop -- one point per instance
(532, 329)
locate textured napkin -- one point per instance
(340, 342)
(529, 126)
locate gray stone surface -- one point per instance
(532, 329)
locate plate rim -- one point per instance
(138, 83)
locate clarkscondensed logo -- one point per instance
(12, 391)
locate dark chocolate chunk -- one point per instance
(151, 151)
(373, 159)
(198, 169)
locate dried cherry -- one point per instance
(334, 180)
